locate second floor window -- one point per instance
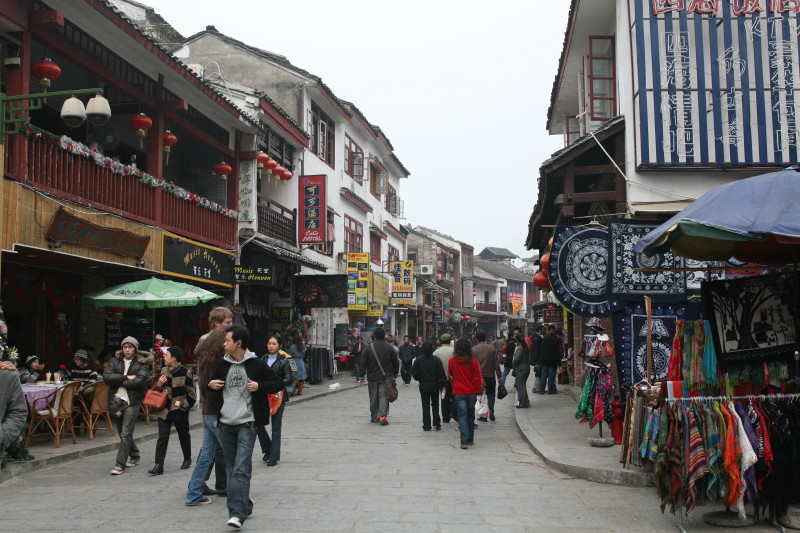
(323, 134)
(602, 93)
(353, 159)
(394, 253)
(375, 248)
(353, 236)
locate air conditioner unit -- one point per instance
(425, 270)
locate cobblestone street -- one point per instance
(340, 473)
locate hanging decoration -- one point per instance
(46, 70)
(222, 170)
(285, 176)
(270, 166)
(141, 123)
(261, 162)
(169, 140)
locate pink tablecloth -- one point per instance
(40, 390)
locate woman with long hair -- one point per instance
(429, 371)
(277, 360)
(209, 355)
(467, 382)
(298, 353)
(522, 369)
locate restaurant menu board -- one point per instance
(340, 332)
(402, 282)
(312, 225)
(357, 281)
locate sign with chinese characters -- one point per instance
(374, 310)
(188, 259)
(716, 82)
(280, 314)
(402, 282)
(504, 299)
(252, 275)
(358, 278)
(438, 312)
(312, 222)
(66, 227)
(380, 289)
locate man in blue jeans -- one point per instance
(245, 380)
(550, 358)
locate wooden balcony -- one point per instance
(45, 166)
(486, 306)
(277, 221)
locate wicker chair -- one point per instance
(145, 409)
(95, 411)
(55, 412)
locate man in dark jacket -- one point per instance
(379, 348)
(536, 353)
(127, 377)
(550, 358)
(245, 380)
(406, 358)
(490, 369)
(511, 345)
(429, 372)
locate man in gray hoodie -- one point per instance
(245, 380)
(13, 409)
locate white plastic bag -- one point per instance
(481, 407)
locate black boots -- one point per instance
(186, 464)
(157, 470)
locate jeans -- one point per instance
(272, 446)
(506, 372)
(378, 404)
(521, 382)
(125, 426)
(548, 376)
(430, 403)
(210, 456)
(465, 405)
(491, 387)
(182, 428)
(357, 365)
(237, 445)
(405, 372)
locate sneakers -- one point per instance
(272, 462)
(201, 501)
(235, 522)
(117, 471)
(383, 421)
(133, 462)
(491, 416)
(208, 491)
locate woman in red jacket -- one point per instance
(467, 381)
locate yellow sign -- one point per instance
(380, 290)
(358, 278)
(515, 307)
(374, 309)
(402, 282)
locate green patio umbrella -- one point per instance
(153, 293)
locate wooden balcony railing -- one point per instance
(276, 221)
(486, 306)
(50, 168)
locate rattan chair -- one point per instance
(96, 410)
(55, 412)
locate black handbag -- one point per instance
(501, 391)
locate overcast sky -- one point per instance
(460, 87)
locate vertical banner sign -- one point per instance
(357, 282)
(504, 299)
(402, 282)
(313, 222)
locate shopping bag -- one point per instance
(275, 401)
(501, 391)
(481, 407)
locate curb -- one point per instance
(18, 468)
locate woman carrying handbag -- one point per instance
(178, 382)
(277, 360)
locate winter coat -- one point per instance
(536, 349)
(115, 376)
(268, 383)
(212, 399)
(13, 409)
(520, 361)
(26, 376)
(406, 353)
(180, 391)
(283, 369)
(429, 371)
(389, 360)
(465, 377)
(551, 351)
(487, 358)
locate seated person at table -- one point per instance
(33, 371)
(82, 370)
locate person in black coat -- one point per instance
(429, 371)
(550, 358)
(536, 353)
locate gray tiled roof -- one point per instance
(502, 270)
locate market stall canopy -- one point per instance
(754, 219)
(153, 293)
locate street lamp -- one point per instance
(14, 112)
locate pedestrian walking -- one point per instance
(467, 382)
(406, 353)
(429, 372)
(211, 455)
(298, 353)
(550, 358)
(490, 370)
(522, 369)
(508, 360)
(278, 361)
(536, 355)
(356, 354)
(379, 348)
(245, 380)
(127, 379)
(444, 352)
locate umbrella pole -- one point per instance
(648, 305)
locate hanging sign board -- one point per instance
(358, 278)
(312, 222)
(402, 282)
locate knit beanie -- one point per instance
(176, 352)
(130, 340)
(31, 359)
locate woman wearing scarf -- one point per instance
(467, 382)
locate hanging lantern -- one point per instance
(544, 261)
(169, 139)
(262, 159)
(222, 170)
(46, 70)
(541, 280)
(270, 165)
(141, 123)
(285, 176)
(465, 318)
(277, 172)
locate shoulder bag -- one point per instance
(391, 386)
(155, 398)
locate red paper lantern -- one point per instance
(285, 176)
(169, 139)
(141, 123)
(278, 171)
(270, 165)
(465, 318)
(46, 70)
(541, 281)
(544, 262)
(262, 159)
(222, 170)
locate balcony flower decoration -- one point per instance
(78, 148)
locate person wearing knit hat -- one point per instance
(81, 370)
(33, 370)
(178, 382)
(129, 340)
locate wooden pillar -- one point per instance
(621, 205)
(569, 192)
(233, 179)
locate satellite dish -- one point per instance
(108, 138)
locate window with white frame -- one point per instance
(353, 159)
(602, 87)
(353, 236)
(379, 180)
(323, 134)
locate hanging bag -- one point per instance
(501, 391)
(275, 402)
(155, 398)
(391, 386)
(481, 407)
